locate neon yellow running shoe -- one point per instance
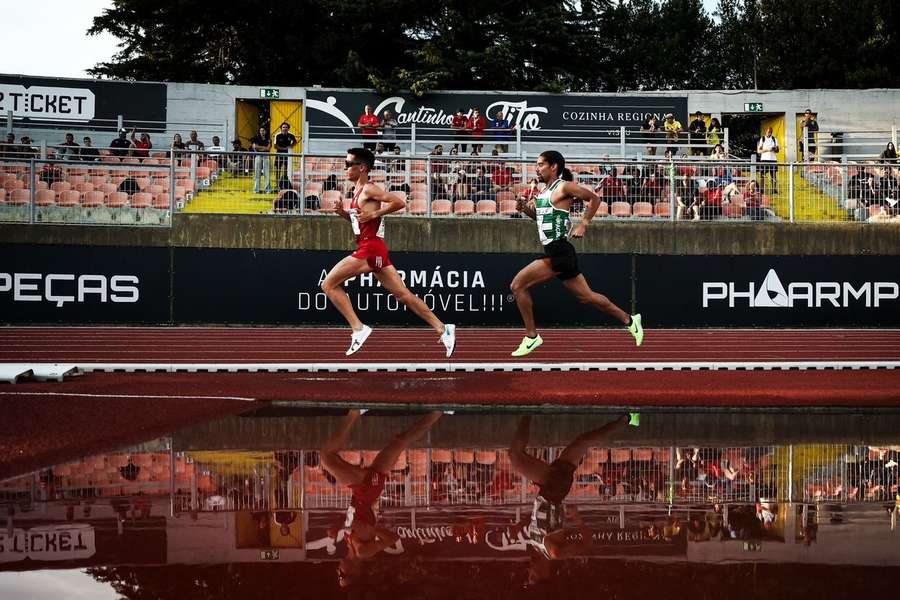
(634, 419)
(528, 345)
(636, 330)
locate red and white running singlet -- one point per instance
(370, 245)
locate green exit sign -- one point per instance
(753, 107)
(275, 93)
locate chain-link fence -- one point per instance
(290, 479)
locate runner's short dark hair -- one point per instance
(363, 155)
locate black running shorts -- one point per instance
(559, 482)
(563, 259)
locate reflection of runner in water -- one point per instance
(364, 537)
(545, 531)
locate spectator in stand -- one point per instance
(177, 145)
(216, 147)
(238, 163)
(368, 124)
(140, 147)
(501, 130)
(810, 129)
(888, 156)
(120, 146)
(456, 177)
(501, 178)
(649, 130)
(26, 150)
(710, 201)
(88, 152)
(673, 130)
(718, 153)
(887, 196)
(612, 188)
(389, 127)
(438, 173)
(195, 144)
(687, 196)
(68, 150)
(261, 145)
(697, 128)
(651, 187)
(753, 208)
(458, 125)
(9, 150)
(476, 126)
(714, 133)
(480, 186)
(768, 149)
(284, 144)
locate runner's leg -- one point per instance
(536, 272)
(385, 459)
(390, 280)
(531, 467)
(333, 286)
(343, 471)
(580, 289)
(576, 450)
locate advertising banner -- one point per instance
(768, 291)
(489, 533)
(527, 112)
(283, 287)
(83, 103)
(83, 284)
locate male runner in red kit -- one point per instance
(365, 538)
(369, 205)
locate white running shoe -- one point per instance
(448, 338)
(358, 339)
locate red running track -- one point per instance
(308, 345)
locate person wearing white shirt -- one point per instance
(768, 149)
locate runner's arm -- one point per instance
(570, 188)
(526, 207)
(393, 202)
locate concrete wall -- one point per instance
(481, 235)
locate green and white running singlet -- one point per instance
(553, 224)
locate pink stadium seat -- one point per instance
(621, 209)
(733, 210)
(68, 198)
(84, 187)
(45, 198)
(141, 200)
(486, 207)
(418, 205)
(312, 189)
(117, 199)
(508, 207)
(92, 199)
(60, 186)
(462, 208)
(663, 209)
(161, 200)
(603, 209)
(441, 207)
(19, 197)
(642, 209)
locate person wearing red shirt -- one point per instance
(458, 125)
(141, 147)
(710, 201)
(501, 178)
(369, 124)
(476, 125)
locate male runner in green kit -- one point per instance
(551, 208)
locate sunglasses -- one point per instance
(350, 163)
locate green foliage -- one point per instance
(556, 46)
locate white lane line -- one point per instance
(137, 396)
(309, 367)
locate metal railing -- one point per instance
(440, 185)
(415, 140)
(295, 479)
